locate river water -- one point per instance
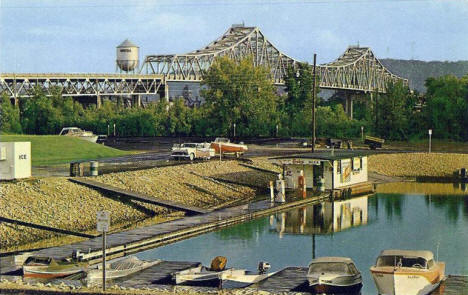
(402, 217)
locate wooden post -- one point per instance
(313, 104)
(103, 261)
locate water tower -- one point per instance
(127, 56)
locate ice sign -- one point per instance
(103, 221)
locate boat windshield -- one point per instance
(336, 267)
(401, 261)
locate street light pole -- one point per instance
(430, 135)
(313, 104)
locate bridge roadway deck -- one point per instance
(134, 240)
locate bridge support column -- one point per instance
(349, 105)
(98, 101)
(166, 92)
(137, 101)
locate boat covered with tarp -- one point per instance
(120, 268)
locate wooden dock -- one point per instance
(131, 241)
(289, 279)
(293, 279)
(138, 196)
(159, 274)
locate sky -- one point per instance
(81, 36)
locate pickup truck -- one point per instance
(192, 151)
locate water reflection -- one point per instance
(323, 218)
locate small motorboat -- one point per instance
(407, 272)
(79, 133)
(334, 275)
(225, 146)
(240, 278)
(120, 268)
(49, 268)
(201, 275)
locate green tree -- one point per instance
(9, 116)
(38, 114)
(393, 112)
(446, 110)
(240, 93)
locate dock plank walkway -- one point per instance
(138, 196)
(159, 274)
(158, 234)
(289, 279)
(453, 285)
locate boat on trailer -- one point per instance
(120, 268)
(79, 133)
(225, 146)
(407, 272)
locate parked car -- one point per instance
(192, 151)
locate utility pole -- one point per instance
(313, 104)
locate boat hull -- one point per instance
(211, 280)
(43, 273)
(228, 148)
(335, 289)
(404, 283)
(96, 274)
(92, 139)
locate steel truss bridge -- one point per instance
(357, 70)
(79, 85)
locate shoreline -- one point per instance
(57, 202)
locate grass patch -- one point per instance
(54, 149)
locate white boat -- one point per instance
(240, 278)
(334, 275)
(407, 272)
(79, 133)
(199, 276)
(207, 277)
(120, 268)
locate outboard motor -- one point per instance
(77, 255)
(263, 267)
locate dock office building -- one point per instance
(336, 171)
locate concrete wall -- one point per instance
(17, 161)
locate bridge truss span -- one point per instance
(357, 69)
(238, 42)
(22, 85)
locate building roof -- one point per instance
(428, 255)
(332, 259)
(326, 155)
(126, 43)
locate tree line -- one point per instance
(241, 94)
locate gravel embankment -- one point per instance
(57, 202)
(417, 164)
